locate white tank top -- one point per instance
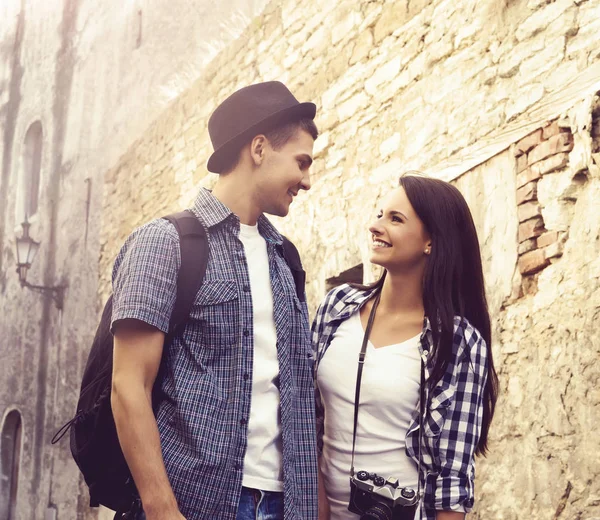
(388, 398)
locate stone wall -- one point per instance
(93, 75)
(419, 85)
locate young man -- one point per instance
(234, 437)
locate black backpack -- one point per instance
(93, 435)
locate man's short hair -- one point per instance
(278, 137)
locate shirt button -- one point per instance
(246, 332)
(246, 288)
(426, 353)
(237, 466)
(242, 421)
(246, 376)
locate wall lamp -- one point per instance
(27, 248)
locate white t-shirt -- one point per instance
(388, 397)
(263, 459)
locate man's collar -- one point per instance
(212, 212)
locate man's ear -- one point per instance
(257, 149)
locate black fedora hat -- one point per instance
(248, 112)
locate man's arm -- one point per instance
(137, 355)
(323, 503)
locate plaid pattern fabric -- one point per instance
(454, 414)
(207, 377)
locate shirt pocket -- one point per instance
(441, 399)
(215, 314)
(214, 292)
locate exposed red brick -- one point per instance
(528, 210)
(528, 142)
(527, 176)
(550, 130)
(558, 143)
(552, 163)
(528, 245)
(532, 262)
(527, 192)
(545, 239)
(531, 229)
(521, 163)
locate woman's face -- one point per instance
(399, 240)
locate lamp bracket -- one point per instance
(57, 292)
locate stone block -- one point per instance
(554, 250)
(532, 262)
(528, 210)
(527, 192)
(540, 19)
(551, 164)
(545, 239)
(551, 130)
(527, 176)
(562, 142)
(521, 163)
(528, 245)
(316, 40)
(362, 47)
(384, 74)
(543, 61)
(393, 15)
(531, 229)
(353, 105)
(528, 142)
(344, 27)
(390, 145)
(528, 96)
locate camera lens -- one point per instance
(379, 481)
(377, 512)
(362, 475)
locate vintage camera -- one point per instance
(376, 498)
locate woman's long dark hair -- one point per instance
(453, 281)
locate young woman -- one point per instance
(430, 337)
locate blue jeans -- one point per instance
(260, 505)
(254, 505)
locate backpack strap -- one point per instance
(292, 258)
(193, 244)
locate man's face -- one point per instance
(284, 173)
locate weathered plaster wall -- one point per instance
(95, 74)
(412, 85)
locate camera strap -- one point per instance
(361, 362)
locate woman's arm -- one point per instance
(446, 515)
(455, 454)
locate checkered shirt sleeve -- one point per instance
(145, 275)
(454, 455)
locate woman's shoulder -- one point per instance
(468, 340)
(338, 298)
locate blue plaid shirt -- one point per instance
(454, 415)
(208, 377)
